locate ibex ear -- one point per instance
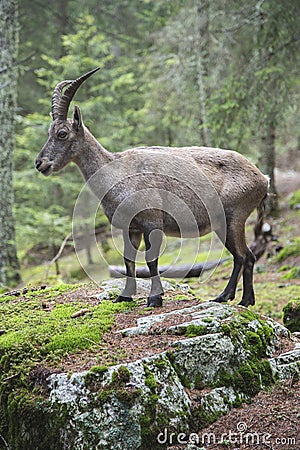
(77, 120)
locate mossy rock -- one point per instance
(225, 358)
(291, 315)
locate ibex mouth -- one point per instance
(44, 166)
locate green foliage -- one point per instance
(292, 273)
(295, 199)
(291, 249)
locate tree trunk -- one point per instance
(266, 110)
(202, 58)
(267, 158)
(9, 266)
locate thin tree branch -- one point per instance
(57, 256)
(281, 47)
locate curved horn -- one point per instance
(61, 102)
(56, 96)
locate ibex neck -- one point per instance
(92, 157)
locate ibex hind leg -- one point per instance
(248, 291)
(236, 245)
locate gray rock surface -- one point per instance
(132, 406)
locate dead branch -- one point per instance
(182, 271)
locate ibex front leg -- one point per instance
(132, 241)
(153, 242)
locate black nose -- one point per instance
(38, 163)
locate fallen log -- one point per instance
(182, 271)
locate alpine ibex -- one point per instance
(148, 191)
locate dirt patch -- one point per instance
(115, 348)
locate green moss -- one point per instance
(24, 408)
(198, 382)
(119, 389)
(284, 267)
(148, 420)
(291, 315)
(241, 329)
(254, 341)
(121, 376)
(94, 377)
(225, 329)
(179, 370)
(150, 381)
(256, 372)
(207, 319)
(249, 378)
(179, 297)
(195, 330)
(202, 418)
(291, 249)
(246, 315)
(127, 396)
(98, 370)
(161, 364)
(51, 329)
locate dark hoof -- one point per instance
(246, 303)
(219, 299)
(121, 298)
(155, 301)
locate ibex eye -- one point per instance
(62, 134)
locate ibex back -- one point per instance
(149, 191)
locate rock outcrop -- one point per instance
(223, 356)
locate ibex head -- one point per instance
(65, 135)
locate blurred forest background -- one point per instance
(174, 72)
